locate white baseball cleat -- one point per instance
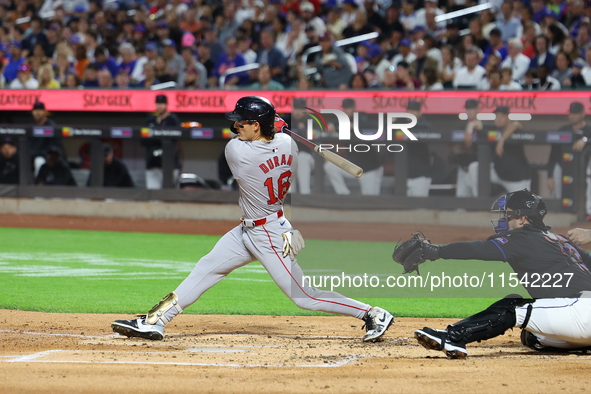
(377, 322)
(138, 328)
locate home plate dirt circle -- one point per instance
(45, 352)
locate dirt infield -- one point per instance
(59, 353)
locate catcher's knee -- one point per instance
(157, 312)
(491, 322)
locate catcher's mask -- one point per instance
(515, 204)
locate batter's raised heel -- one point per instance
(377, 322)
(138, 328)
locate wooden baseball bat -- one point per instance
(337, 160)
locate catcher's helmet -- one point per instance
(519, 203)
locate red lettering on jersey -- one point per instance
(283, 161)
(270, 164)
(289, 160)
(276, 160)
(264, 168)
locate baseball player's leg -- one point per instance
(418, 187)
(491, 322)
(154, 178)
(462, 184)
(371, 182)
(557, 176)
(473, 178)
(304, 172)
(588, 204)
(558, 322)
(265, 243)
(336, 176)
(228, 254)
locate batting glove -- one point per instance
(293, 242)
(280, 124)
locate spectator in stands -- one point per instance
(358, 27)
(464, 155)
(174, 62)
(16, 59)
(405, 53)
(334, 24)
(204, 57)
(555, 37)
(24, 79)
(507, 23)
(162, 118)
(577, 79)
(539, 10)
(371, 162)
(449, 66)
(105, 79)
(47, 77)
(9, 162)
(542, 54)
(429, 79)
(584, 40)
(2, 79)
(507, 81)
(357, 81)
(492, 81)
(408, 16)
(269, 54)
(128, 58)
(122, 80)
(471, 74)
(496, 45)
(149, 76)
(62, 67)
(264, 81)
(162, 72)
(53, 37)
(244, 48)
(90, 77)
(192, 77)
(516, 60)
(54, 172)
(73, 82)
(429, 9)
(332, 65)
(82, 60)
(104, 60)
(563, 72)
(586, 71)
(403, 78)
(376, 61)
(230, 59)
(581, 133)
(150, 52)
(570, 47)
(216, 49)
(477, 35)
(528, 40)
(389, 81)
(115, 172)
(545, 81)
(422, 61)
(311, 20)
(198, 69)
(38, 147)
(38, 55)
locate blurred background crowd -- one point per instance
(191, 44)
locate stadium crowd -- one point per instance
(513, 45)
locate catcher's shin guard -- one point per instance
(491, 322)
(157, 312)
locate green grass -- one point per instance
(115, 272)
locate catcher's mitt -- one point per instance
(411, 253)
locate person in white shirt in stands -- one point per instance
(430, 6)
(506, 22)
(405, 53)
(472, 73)
(586, 71)
(507, 81)
(408, 16)
(24, 79)
(516, 61)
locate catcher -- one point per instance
(558, 317)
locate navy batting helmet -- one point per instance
(254, 109)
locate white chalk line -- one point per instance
(33, 358)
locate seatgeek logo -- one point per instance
(394, 131)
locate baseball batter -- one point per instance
(263, 162)
(553, 270)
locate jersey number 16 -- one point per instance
(283, 184)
